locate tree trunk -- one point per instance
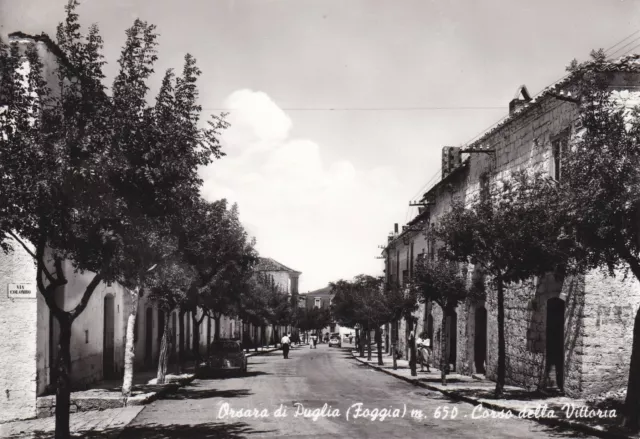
(196, 338)
(164, 352)
(379, 343)
(180, 341)
(208, 336)
(63, 390)
(394, 343)
(130, 347)
(216, 336)
(361, 342)
(443, 349)
(368, 344)
(275, 336)
(501, 341)
(255, 338)
(412, 349)
(632, 401)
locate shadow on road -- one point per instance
(212, 430)
(208, 393)
(225, 376)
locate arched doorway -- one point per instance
(452, 335)
(555, 340)
(480, 342)
(148, 339)
(108, 338)
(174, 336)
(188, 333)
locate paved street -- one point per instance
(313, 378)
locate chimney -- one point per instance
(515, 105)
(521, 99)
(395, 228)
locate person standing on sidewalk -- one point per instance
(286, 342)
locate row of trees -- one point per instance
(531, 224)
(367, 303)
(105, 180)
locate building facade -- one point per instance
(575, 333)
(322, 299)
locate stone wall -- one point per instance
(18, 375)
(609, 314)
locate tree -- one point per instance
(442, 282)
(169, 289)
(278, 307)
(313, 319)
(600, 186)
(159, 151)
(224, 273)
(90, 178)
(512, 233)
(402, 302)
(368, 302)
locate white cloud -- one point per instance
(323, 220)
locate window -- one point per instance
(318, 302)
(558, 149)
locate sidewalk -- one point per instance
(102, 411)
(534, 405)
(107, 423)
(108, 394)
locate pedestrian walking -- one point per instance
(286, 342)
(314, 340)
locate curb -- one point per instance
(253, 354)
(547, 421)
(152, 396)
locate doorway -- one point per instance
(452, 333)
(174, 336)
(480, 342)
(108, 338)
(555, 340)
(148, 339)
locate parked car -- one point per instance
(226, 356)
(334, 340)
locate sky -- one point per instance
(339, 109)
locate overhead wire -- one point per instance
(622, 41)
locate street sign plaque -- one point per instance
(21, 291)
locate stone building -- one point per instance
(287, 280)
(285, 277)
(581, 327)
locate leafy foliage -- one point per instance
(312, 319)
(367, 301)
(442, 282)
(514, 233)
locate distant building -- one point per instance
(322, 299)
(285, 277)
